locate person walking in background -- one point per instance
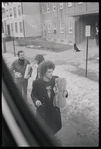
(37, 60)
(42, 95)
(17, 69)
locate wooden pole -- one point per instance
(14, 46)
(86, 56)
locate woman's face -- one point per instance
(49, 73)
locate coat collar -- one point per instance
(21, 63)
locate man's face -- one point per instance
(49, 73)
(21, 55)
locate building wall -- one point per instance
(57, 16)
(73, 22)
(32, 19)
(92, 7)
(13, 20)
(3, 21)
(79, 8)
(37, 22)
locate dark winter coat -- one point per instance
(50, 114)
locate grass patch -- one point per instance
(49, 45)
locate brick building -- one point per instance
(66, 22)
(59, 22)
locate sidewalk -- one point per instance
(80, 117)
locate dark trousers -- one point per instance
(22, 86)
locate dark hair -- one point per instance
(20, 52)
(46, 65)
(39, 58)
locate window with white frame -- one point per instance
(10, 12)
(20, 26)
(61, 27)
(54, 6)
(14, 9)
(70, 27)
(49, 28)
(12, 27)
(19, 10)
(80, 2)
(48, 5)
(16, 28)
(61, 5)
(70, 4)
(54, 31)
(42, 9)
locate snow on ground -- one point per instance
(80, 117)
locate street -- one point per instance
(80, 117)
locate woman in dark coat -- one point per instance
(42, 95)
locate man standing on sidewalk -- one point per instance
(18, 68)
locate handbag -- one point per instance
(60, 93)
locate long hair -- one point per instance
(46, 65)
(39, 58)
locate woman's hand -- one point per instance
(65, 93)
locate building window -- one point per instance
(48, 7)
(42, 9)
(54, 28)
(69, 4)
(54, 6)
(80, 2)
(19, 10)
(70, 27)
(61, 5)
(12, 27)
(14, 9)
(16, 28)
(20, 26)
(61, 27)
(49, 28)
(10, 12)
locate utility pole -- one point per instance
(86, 56)
(88, 28)
(14, 46)
(4, 44)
